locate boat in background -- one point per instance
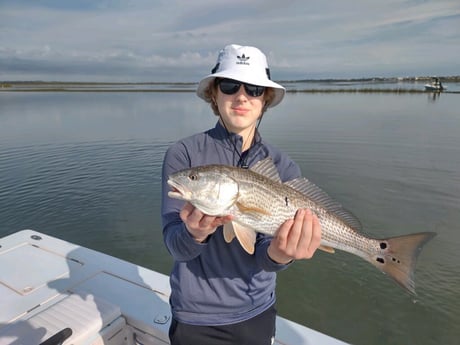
(435, 86)
(53, 292)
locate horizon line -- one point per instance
(407, 78)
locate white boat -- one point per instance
(55, 292)
(435, 86)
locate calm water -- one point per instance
(85, 167)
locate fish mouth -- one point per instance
(178, 191)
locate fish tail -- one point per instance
(398, 257)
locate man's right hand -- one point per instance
(200, 225)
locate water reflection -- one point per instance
(86, 167)
(434, 96)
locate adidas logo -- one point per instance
(242, 60)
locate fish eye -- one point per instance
(193, 176)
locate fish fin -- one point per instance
(246, 237)
(267, 168)
(327, 249)
(399, 257)
(320, 197)
(229, 233)
(251, 209)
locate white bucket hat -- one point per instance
(245, 64)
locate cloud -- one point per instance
(172, 40)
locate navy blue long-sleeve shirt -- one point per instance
(216, 283)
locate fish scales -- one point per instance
(257, 191)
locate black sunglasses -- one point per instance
(230, 87)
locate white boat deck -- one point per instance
(50, 288)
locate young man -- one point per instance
(220, 293)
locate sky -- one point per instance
(178, 41)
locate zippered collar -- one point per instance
(234, 142)
(221, 134)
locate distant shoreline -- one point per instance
(364, 85)
(349, 90)
(364, 90)
(325, 80)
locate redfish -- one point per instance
(260, 202)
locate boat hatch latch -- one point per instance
(161, 319)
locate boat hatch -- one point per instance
(90, 320)
(43, 267)
(144, 309)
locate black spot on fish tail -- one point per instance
(382, 260)
(286, 200)
(383, 245)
